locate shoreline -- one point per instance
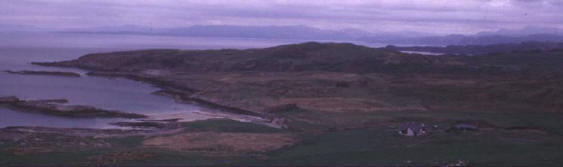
(86, 132)
(181, 94)
(184, 95)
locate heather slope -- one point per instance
(312, 56)
(327, 76)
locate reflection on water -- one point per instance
(15, 118)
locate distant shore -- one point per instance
(53, 73)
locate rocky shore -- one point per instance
(59, 108)
(54, 73)
(149, 124)
(179, 93)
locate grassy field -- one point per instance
(374, 141)
(381, 145)
(334, 139)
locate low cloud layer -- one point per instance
(432, 16)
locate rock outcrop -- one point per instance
(55, 73)
(57, 107)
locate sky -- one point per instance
(430, 16)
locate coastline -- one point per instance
(180, 95)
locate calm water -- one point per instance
(423, 53)
(18, 50)
(107, 93)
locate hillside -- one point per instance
(336, 101)
(334, 57)
(301, 57)
(312, 70)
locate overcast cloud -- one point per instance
(437, 16)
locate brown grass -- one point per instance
(221, 142)
(341, 104)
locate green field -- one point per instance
(369, 140)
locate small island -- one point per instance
(54, 73)
(58, 107)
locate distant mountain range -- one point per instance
(538, 34)
(523, 32)
(466, 39)
(527, 34)
(269, 32)
(508, 48)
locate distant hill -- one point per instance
(528, 47)
(267, 32)
(309, 33)
(313, 56)
(465, 39)
(502, 36)
(530, 30)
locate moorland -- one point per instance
(328, 104)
